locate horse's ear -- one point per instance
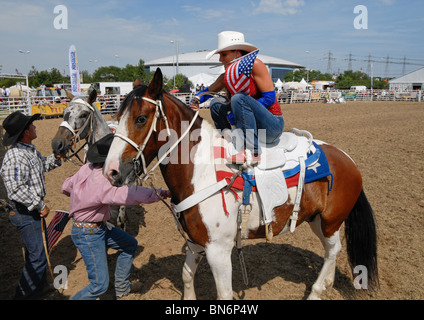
(137, 83)
(156, 85)
(92, 97)
(69, 95)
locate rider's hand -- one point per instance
(165, 194)
(45, 212)
(194, 104)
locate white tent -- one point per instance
(302, 85)
(293, 86)
(278, 84)
(410, 81)
(306, 85)
(21, 91)
(202, 78)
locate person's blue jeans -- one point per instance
(257, 123)
(92, 244)
(34, 272)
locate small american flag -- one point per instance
(237, 75)
(56, 227)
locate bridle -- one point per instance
(140, 148)
(77, 132)
(140, 156)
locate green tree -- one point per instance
(127, 74)
(352, 78)
(107, 74)
(49, 78)
(181, 82)
(130, 72)
(7, 82)
(86, 77)
(298, 75)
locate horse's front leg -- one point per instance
(219, 258)
(193, 257)
(122, 219)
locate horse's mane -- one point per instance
(178, 101)
(135, 94)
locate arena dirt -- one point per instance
(386, 141)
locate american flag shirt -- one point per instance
(23, 174)
(238, 74)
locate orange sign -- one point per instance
(52, 109)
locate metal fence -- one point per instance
(366, 95)
(109, 104)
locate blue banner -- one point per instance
(74, 71)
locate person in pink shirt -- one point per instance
(91, 196)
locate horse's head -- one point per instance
(136, 139)
(76, 123)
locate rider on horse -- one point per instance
(254, 107)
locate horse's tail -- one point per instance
(361, 241)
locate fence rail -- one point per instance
(366, 95)
(108, 104)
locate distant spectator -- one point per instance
(58, 90)
(5, 92)
(43, 90)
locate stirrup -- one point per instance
(245, 156)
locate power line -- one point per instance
(369, 64)
(370, 59)
(349, 67)
(330, 58)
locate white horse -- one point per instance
(82, 120)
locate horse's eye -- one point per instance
(141, 119)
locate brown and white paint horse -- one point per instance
(140, 133)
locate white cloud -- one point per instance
(205, 13)
(284, 7)
(101, 30)
(388, 2)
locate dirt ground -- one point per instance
(384, 138)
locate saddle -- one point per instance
(293, 160)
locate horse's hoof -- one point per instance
(314, 296)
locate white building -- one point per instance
(194, 63)
(410, 81)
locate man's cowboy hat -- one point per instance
(15, 124)
(98, 151)
(231, 40)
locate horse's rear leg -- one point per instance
(189, 269)
(332, 247)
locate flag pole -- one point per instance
(45, 247)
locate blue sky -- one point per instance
(287, 29)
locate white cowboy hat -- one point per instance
(231, 40)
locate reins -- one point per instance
(140, 148)
(75, 153)
(223, 99)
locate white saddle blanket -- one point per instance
(275, 159)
